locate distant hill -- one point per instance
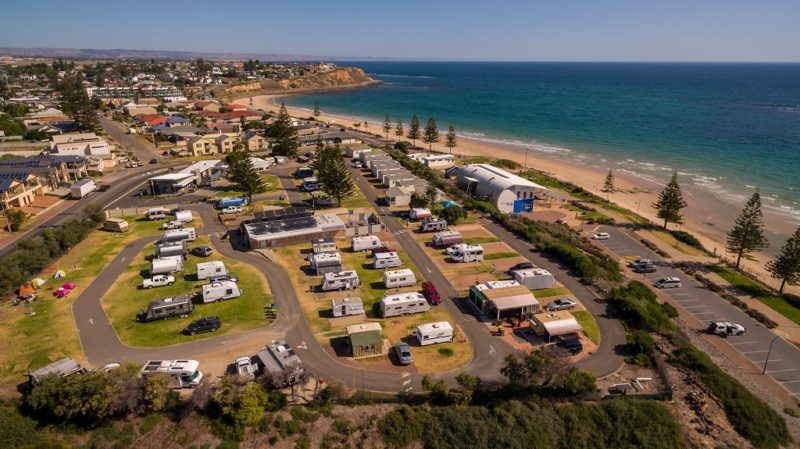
(88, 53)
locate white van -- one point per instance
(156, 213)
(671, 282)
(386, 260)
(398, 304)
(207, 269)
(365, 243)
(216, 291)
(343, 280)
(468, 253)
(432, 333)
(399, 278)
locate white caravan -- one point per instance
(386, 260)
(403, 304)
(347, 307)
(468, 253)
(432, 333)
(399, 278)
(184, 373)
(216, 291)
(343, 280)
(365, 243)
(207, 269)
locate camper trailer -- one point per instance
(166, 265)
(184, 373)
(184, 216)
(171, 249)
(534, 278)
(432, 333)
(468, 253)
(325, 245)
(386, 260)
(177, 235)
(217, 291)
(343, 280)
(166, 308)
(365, 243)
(420, 213)
(399, 278)
(403, 304)
(447, 238)
(116, 225)
(347, 307)
(60, 368)
(433, 225)
(325, 263)
(207, 269)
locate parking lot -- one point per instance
(784, 358)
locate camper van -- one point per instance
(156, 213)
(166, 308)
(116, 225)
(347, 307)
(433, 225)
(386, 260)
(176, 235)
(207, 269)
(325, 245)
(310, 184)
(166, 265)
(403, 304)
(171, 249)
(325, 263)
(432, 333)
(343, 280)
(303, 172)
(447, 238)
(60, 368)
(399, 278)
(365, 243)
(184, 373)
(216, 291)
(468, 253)
(420, 213)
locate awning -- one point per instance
(514, 302)
(562, 327)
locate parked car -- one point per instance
(671, 282)
(644, 268)
(601, 236)
(223, 277)
(403, 352)
(561, 304)
(572, 343)
(207, 324)
(725, 328)
(521, 266)
(231, 210)
(173, 224)
(165, 153)
(139, 164)
(357, 164)
(245, 367)
(430, 293)
(633, 263)
(154, 161)
(202, 251)
(159, 280)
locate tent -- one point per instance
(68, 285)
(26, 290)
(37, 282)
(59, 274)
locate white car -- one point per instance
(725, 328)
(671, 282)
(232, 210)
(245, 367)
(601, 236)
(159, 280)
(174, 224)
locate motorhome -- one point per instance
(324, 245)
(432, 333)
(310, 184)
(399, 278)
(282, 363)
(166, 308)
(447, 238)
(184, 216)
(420, 213)
(433, 225)
(116, 225)
(365, 243)
(343, 280)
(398, 304)
(347, 307)
(166, 265)
(176, 235)
(184, 373)
(207, 269)
(325, 263)
(171, 249)
(468, 253)
(216, 291)
(61, 368)
(386, 260)
(156, 213)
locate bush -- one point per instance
(689, 239)
(447, 352)
(641, 348)
(401, 427)
(506, 163)
(303, 414)
(16, 430)
(453, 214)
(638, 308)
(402, 146)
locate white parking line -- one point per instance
(694, 307)
(754, 352)
(770, 361)
(789, 381)
(781, 370)
(743, 343)
(704, 313)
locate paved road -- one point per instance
(706, 306)
(118, 132)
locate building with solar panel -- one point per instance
(289, 226)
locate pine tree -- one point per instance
(316, 110)
(366, 125)
(786, 266)
(387, 126)
(451, 141)
(76, 102)
(333, 174)
(608, 186)
(243, 175)
(431, 192)
(319, 143)
(670, 202)
(284, 134)
(413, 130)
(398, 130)
(747, 234)
(431, 134)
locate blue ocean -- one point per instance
(727, 128)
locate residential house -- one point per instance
(202, 145)
(207, 106)
(52, 170)
(226, 143)
(254, 141)
(135, 110)
(237, 107)
(82, 144)
(18, 189)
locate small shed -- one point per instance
(534, 278)
(347, 307)
(365, 339)
(553, 324)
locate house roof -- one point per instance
(395, 192)
(497, 178)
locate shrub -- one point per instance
(637, 306)
(453, 214)
(506, 163)
(687, 238)
(303, 414)
(16, 430)
(401, 427)
(447, 352)
(640, 348)
(149, 422)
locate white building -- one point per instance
(507, 191)
(434, 160)
(80, 144)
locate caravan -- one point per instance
(468, 253)
(216, 291)
(399, 278)
(116, 225)
(347, 307)
(324, 245)
(171, 249)
(206, 270)
(325, 263)
(420, 213)
(177, 235)
(365, 243)
(446, 238)
(343, 280)
(184, 373)
(386, 260)
(432, 333)
(403, 304)
(166, 265)
(166, 308)
(433, 225)
(156, 213)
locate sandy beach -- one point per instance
(706, 217)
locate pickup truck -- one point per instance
(159, 280)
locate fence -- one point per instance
(135, 211)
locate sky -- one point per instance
(504, 30)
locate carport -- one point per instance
(553, 324)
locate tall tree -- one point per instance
(786, 266)
(284, 134)
(747, 234)
(76, 102)
(431, 192)
(366, 125)
(316, 110)
(333, 174)
(414, 132)
(431, 134)
(243, 175)
(398, 130)
(387, 126)
(670, 202)
(319, 143)
(608, 186)
(451, 141)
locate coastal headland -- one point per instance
(336, 79)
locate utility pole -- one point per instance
(769, 351)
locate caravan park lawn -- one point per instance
(126, 298)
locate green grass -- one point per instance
(500, 255)
(775, 302)
(125, 299)
(553, 291)
(272, 182)
(372, 289)
(481, 240)
(589, 325)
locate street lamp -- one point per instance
(769, 351)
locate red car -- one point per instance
(429, 292)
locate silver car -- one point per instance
(403, 352)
